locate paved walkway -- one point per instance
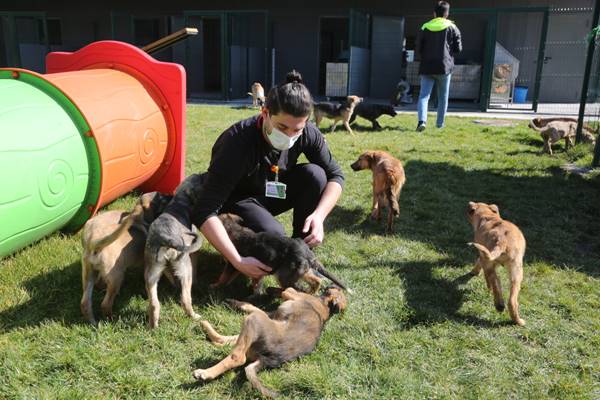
(513, 111)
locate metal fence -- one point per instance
(589, 107)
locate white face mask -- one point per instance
(280, 140)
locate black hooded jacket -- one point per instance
(437, 50)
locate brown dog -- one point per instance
(336, 112)
(388, 179)
(498, 242)
(112, 241)
(269, 340)
(258, 95)
(554, 130)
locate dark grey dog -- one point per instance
(290, 258)
(171, 239)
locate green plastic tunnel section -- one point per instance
(50, 167)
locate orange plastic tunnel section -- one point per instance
(135, 108)
(128, 125)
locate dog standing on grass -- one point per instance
(172, 239)
(269, 340)
(336, 112)
(554, 130)
(388, 179)
(258, 95)
(113, 241)
(499, 242)
(371, 112)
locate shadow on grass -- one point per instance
(55, 295)
(558, 214)
(434, 300)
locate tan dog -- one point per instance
(336, 112)
(498, 242)
(258, 95)
(388, 179)
(553, 131)
(269, 340)
(113, 241)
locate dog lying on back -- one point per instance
(388, 179)
(371, 112)
(269, 340)
(258, 95)
(499, 242)
(113, 241)
(290, 258)
(336, 112)
(553, 130)
(171, 240)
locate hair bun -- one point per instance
(293, 77)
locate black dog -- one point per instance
(371, 112)
(291, 259)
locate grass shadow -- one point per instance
(433, 300)
(557, 213)
(54, 296)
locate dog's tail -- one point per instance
(125, 224)
(485, 253)
(179, 244)
(317, 266)
(196, 242)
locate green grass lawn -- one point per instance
(416, 325)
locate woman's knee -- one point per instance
(312, 174)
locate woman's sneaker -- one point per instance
(421, 126)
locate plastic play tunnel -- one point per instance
(104, 121)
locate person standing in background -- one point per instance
(437, 44)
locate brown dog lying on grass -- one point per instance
(290, 258)
(269, 340)
(499, 242)
(112, 241)
(388, 179)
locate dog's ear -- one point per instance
(336, 301)
(494, 208)
(471, 207)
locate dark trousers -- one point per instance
(305, 185)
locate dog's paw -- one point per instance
(201, 374)
(499, 307)
(195, 316)
(520, 322)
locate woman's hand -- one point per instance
(314, 225)
(252, 268)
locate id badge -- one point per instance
(275, 190)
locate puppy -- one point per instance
(337, 112)
(258, 95)
(402, 94)
(269, 340)
(371, 112)
(554, 131)
(498, 242)
(388, 179)
(171, 239)
(112, 241)
(290, 258)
